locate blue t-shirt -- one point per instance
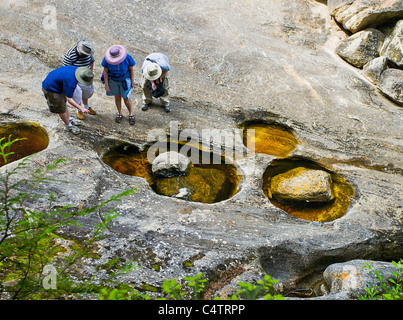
(158, 58)
(121, 71)
(61, 80)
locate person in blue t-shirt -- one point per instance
(58, 88)
(155, 80)
(119, 79)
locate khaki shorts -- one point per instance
(56, 101)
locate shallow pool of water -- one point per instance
(313, 211)
(269, 138)
(35, 139)
(204, 182)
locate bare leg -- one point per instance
(118, 102)
(65, 116)
(128, 103)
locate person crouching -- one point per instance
(58, 89)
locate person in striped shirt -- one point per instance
(81, 55)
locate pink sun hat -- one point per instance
(115, 54)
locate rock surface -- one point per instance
(360, 14)
(393, 46)
(374, 68)
(391, 84)
(348, 280)
(170, 164)
(361, 48)
(231, 61)
(302, 184)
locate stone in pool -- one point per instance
(170, 164)
(301, 184)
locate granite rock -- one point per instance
(361, 14)
(374, 68)
(393, 46)
(391, 84)
(170, 164)
(362, 47)
(302, 184)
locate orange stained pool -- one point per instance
(270, 139)
(34, 139)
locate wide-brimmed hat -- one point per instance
(116, 54)
(84, 75)
(152, 71)
(84, 47)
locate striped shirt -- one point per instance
(71, 58)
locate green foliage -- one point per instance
(122, 293)
(173, 290)
(263, 287)
(197, 283)
(28, 237)
(387, 289)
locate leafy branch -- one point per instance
(386, 289)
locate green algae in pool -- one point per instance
(35, 139)
(207, 183)
(313, 211)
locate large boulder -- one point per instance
(303, 184)
(360, 14)
(361, 47)
(170, 164)
(348, 280)
(391, 84)
(393, 46)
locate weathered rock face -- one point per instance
(391, 84)
(362, 47)
(393, 46)
(231, 61)
(360, 14)
(374, 68)
(348, 280)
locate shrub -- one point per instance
(387, 289)
(28, 237)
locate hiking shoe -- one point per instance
(73, 129)
(92, 111)
(132, 121)
(80, 115)
(167, 108)
(144, 107)
(119, 118)
(75, 122)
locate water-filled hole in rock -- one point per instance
(328, 198)
(35, 139)
(269, 137)
(209, 182)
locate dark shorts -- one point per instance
(56, 101)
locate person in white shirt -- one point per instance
(155, 80)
